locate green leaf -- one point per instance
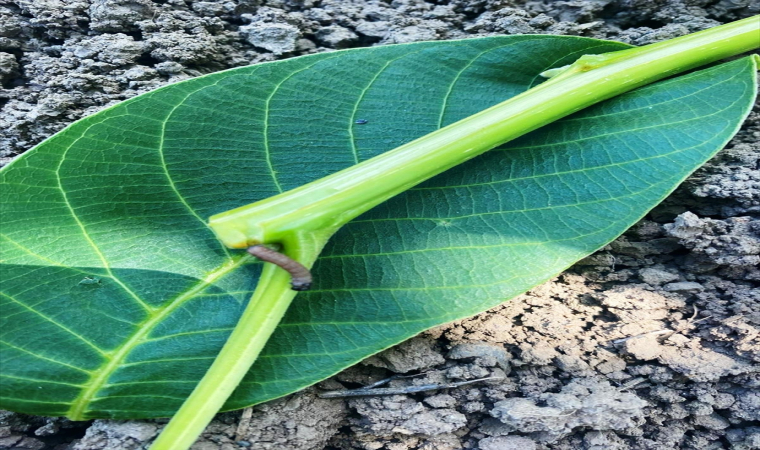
(116, 296)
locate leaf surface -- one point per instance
(116, 296)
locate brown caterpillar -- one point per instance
(300, 277)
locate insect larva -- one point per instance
(300, 277)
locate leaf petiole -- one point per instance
(270, 300)
(303, 219)
(326, 204)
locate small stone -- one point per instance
(656, 277)
(541, 353)
(744, 438)
(117, 49)
(701, 364)
(10, 441)
(119, 15)
(441, 401)
(377, 29)
(141, 73)
(685, 226)
(506, 443)
(411, 34)
(431, 423)
(415, 354)
(278, 38)
(473, 407)
(29, 443)
(8, 66)
(336, 36)
(712, 421)
(305, 45)
(10, 26)
(723, 400)
(683, 286)
(678, 339)
(491, 355)
(208, 8)
(598, 259)
(612, 364)
(645, 348)
(48, 429)
(571, 363)
(169, 67)
(697, 408)
(183, 47)
(602, 440)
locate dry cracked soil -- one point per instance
(651, 343)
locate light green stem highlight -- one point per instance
(332, 201)
(303, 219)
(264, 311)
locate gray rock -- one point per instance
(414, 354)
(603, 440)
(645, 348)
(412, 33)
(169, 67)
(540, 353)
(488, 355)
(377, 29)
(296, 422)
(336, 36)
(441, 401)
(747, 405)
(581, 403)
(572, 363)
(118, 49)
(10, 25)
(683, 286)
(8, 66)
(209, 8)
(701, 364)
(747, 438)
(58, 19)
(506, 443)
(398, 415)
(433, 422)
(685, 226)
(278, 38)
(119, 15)
(712, 421)
(656, 277)
(115, 435)
(186, 48)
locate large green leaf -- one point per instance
(116, 296)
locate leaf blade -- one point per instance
(136, 180)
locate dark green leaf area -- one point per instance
(500, 224)
(116, 296)
(77, 324)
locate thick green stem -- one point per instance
(302, 220)
(264, 311)
(330, 202)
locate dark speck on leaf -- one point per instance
(361, 121)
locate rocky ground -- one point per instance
(651, 343)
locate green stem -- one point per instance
(330, 202)
(303, 219)
(264, 311)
